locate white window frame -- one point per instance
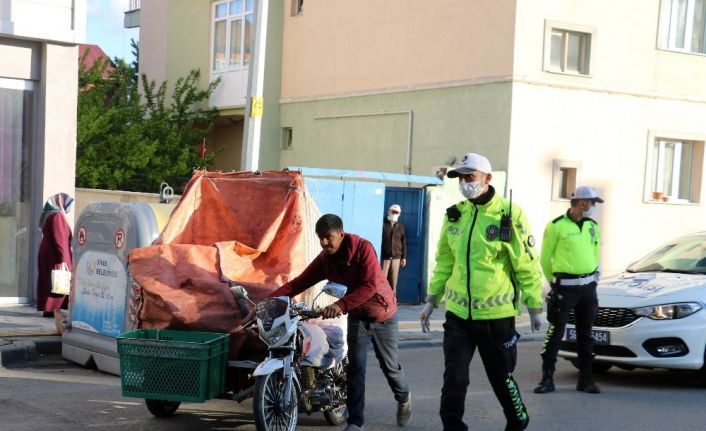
(557, 167)
(656, 176)
(668, 28)
(229, 19)
(589, 34)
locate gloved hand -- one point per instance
(425, 314)
(535, 319)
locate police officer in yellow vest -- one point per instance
(485, 266)
(570, 252)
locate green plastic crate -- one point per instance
(163, 364)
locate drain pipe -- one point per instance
(410, 120)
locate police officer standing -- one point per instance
(570, 252)
(485, 266)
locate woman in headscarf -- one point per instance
(54, 250)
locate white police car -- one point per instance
(654, 314)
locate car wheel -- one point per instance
(702, 375)
(597, 367)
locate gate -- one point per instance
(409, 284)
(356, 202)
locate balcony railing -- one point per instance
(132, 14)
(133, 5)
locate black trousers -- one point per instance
(496, 342)
(584, 302)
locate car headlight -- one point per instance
(668, 311)
(273, 336)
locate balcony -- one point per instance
(132, 15)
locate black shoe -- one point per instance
(517, 426)
(587, 385)
(546, 385)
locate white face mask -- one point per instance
(393, 217)
(471, 190)
(589, 213)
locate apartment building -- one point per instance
(38, 88)
(216, 37)
(556, 93)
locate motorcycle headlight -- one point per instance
(668, 311)
(273, 336)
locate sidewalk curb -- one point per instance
(411, 339)
(20, 350)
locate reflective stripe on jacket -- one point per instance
(472, 262)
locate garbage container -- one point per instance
(99, 306)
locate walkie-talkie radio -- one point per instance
(506, 223)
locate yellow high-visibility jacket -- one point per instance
(569, 247)
(479, 273)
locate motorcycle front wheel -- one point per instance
(269, 413)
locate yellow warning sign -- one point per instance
(258, 105)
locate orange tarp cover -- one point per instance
(255, 229)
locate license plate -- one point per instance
(599, 337)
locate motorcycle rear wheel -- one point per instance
(161, 408)
(336, 416)
(267, 395)
(339, 415)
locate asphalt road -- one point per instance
(57, 395)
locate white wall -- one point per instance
(609, 135)
(153, 39)
(55, 20)
(58, 109)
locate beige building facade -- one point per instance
(38, 88)
(556, 93)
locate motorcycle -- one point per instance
(289, 380)
(304, 369)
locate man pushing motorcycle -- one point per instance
(371, 306)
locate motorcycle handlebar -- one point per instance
(310, 313)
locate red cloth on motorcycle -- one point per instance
(355, 264)
(246, 227)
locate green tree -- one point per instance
(132, 141)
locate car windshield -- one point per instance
(684, 255)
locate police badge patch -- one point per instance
(530, 241)
(492, 232)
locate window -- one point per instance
(684, 25)
(287, 138)
(567, 49)
(232, 34)
(16, 113)
(564, 179)
(676, 170)
(297, 7)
